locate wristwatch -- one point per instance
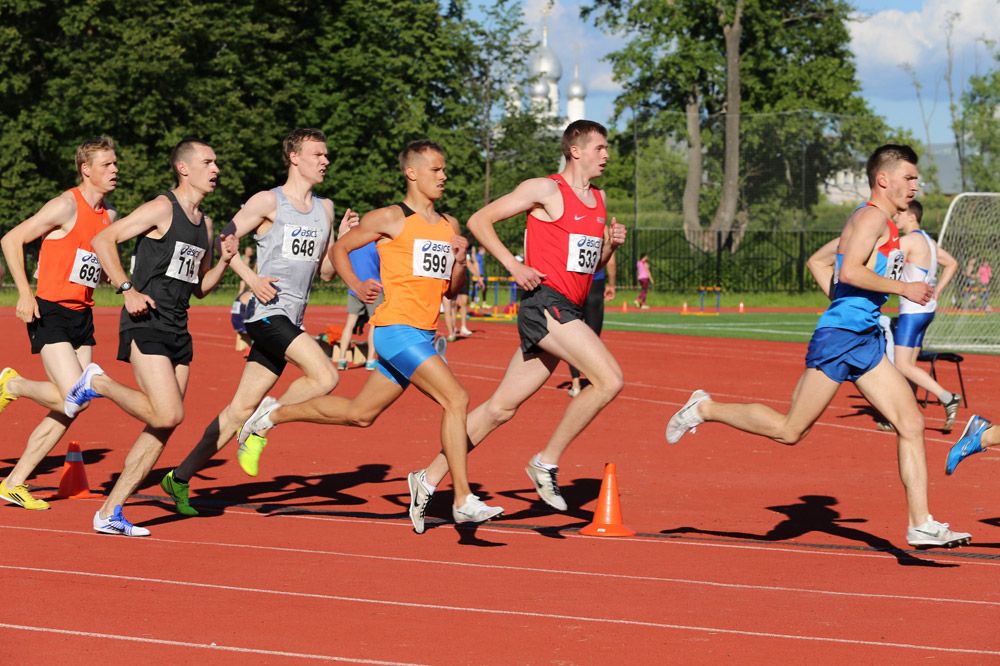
(123, 287)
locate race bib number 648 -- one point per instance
(432, 259)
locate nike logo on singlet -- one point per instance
(579, 217)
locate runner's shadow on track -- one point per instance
(576, 494)
(438, 515)
(51, 463)
(864, 410)
(814, 514)
(152, 479)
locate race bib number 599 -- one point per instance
(583, 253)
(185, 262)
(432, 259)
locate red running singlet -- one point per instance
(568, 250)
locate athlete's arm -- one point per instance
(535, 193)
(459, 248)
(210, 277)
(857, 243)
(257, 212)
(53, 215)
(821, 264)
(610, 285)
(152, 215)
(614, 238)
(350, 220)
(381, 223)
(949, 267)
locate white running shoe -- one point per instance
(82, 392)
(686, 418)
(474, 511)
(420, 497)
(932, 533)
(256, 424)
(546, 483)
(117, 523)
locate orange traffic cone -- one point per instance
(73, 484)
(684, 308)
(741, 307)
(625, 305)
(608, 516)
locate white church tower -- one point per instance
(576, 95)
(546, 70)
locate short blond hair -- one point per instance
(293, 142)
(85, 152)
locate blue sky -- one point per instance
(886, 35)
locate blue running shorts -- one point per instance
(910, 329)
(844, 355)
(401, 350)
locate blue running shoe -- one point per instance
(969, 443)
(117, 523)
(83, 391)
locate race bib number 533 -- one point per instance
(185, 262)
(432, 259)
(86, 269)
(583, 253)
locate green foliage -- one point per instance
(980, 111)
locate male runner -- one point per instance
(567, 240)
(59, 317)
(173, 255)
(422, 257)
(923, 257)
(848, 346)
(292, 230)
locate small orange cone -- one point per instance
(684, 308)
(741, 307)
(608, 516)
(625, 305)
(73, 484)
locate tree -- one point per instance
(981, 115)
(780, 77)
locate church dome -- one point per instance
(546, 64)
(576, 90)
(540, 89)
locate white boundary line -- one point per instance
(200, 646)
(515, 613)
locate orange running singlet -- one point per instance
(416, 270)
(68, 269)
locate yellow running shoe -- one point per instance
(19, 495)
(5, 397)
(249, 452)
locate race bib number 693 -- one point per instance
(86, 269)
(432, 259)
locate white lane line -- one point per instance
(518, 613)
(201, 646)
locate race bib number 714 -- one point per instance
(185, 262)
(432, 259)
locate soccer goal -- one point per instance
(967, 317)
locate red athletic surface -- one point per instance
(315, 559)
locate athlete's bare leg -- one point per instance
(345, 339)
(811, 396)
(886, 389)
(165, 386)
(906, 361)
(63, 366)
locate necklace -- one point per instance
(581, 188)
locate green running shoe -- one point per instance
(178, 492)
(248, 455)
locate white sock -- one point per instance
(945, 397)
(538, 461)
(427, 486)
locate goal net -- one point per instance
(967, 317)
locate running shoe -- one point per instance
(465, 332)
(420, 497)
(342, 364)
(546, 483)
(932, 533)
(950, 411)
(83, 391)
(19, 495)
(5, 396)
(969, 443)
(255, 424)
(370, 365)
(686, 418)
(117, 523)
(248, 455)
(178, 492)
(474, 511)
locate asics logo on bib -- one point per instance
(305, 232)
(589, 241)
(189, 251)
(431, 246)
(90, 259)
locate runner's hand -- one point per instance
(370, 289)
(918, 292)
(616, 236)
(609, 292)
(263, 289)
(27, 309)
(348, 222)
(229, 247)
(137, 303)
(459, 247)
(526, 277)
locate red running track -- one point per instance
(746, 550)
